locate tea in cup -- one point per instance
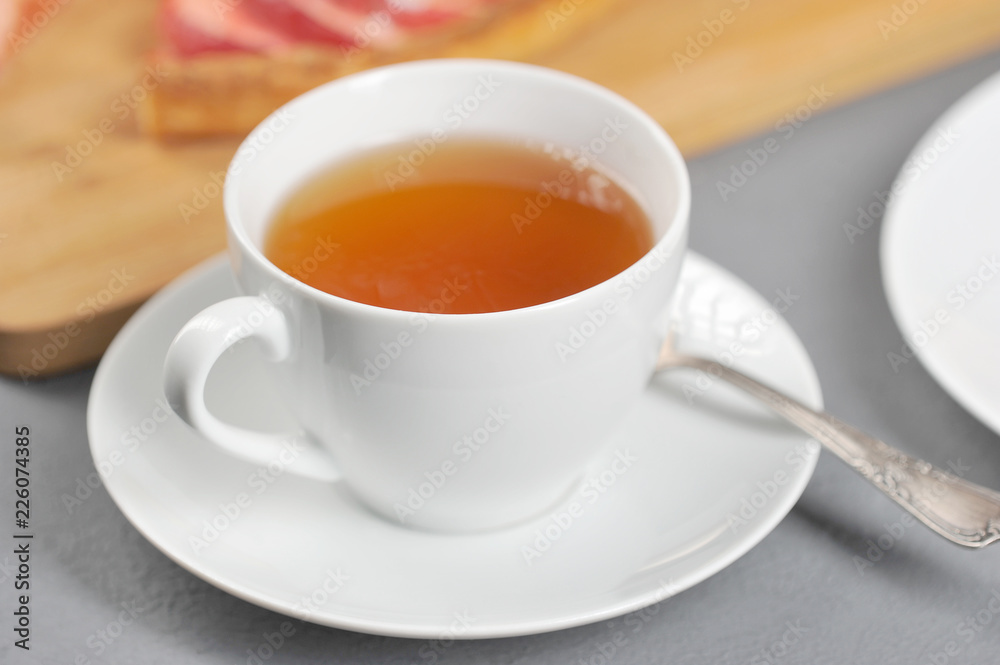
(461, 270)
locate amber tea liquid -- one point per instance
(475, 226)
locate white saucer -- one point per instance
(665, 522)
(938, 230)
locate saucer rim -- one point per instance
(749, 538)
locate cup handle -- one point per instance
(194, 351)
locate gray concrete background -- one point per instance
(782, 229)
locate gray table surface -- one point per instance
(924, 602)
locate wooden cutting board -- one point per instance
(92, 213)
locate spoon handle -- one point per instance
(963, 512)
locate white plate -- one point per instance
(940, 237)
(647, 529)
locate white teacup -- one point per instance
(451, 422)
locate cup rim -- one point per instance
(676, 226)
